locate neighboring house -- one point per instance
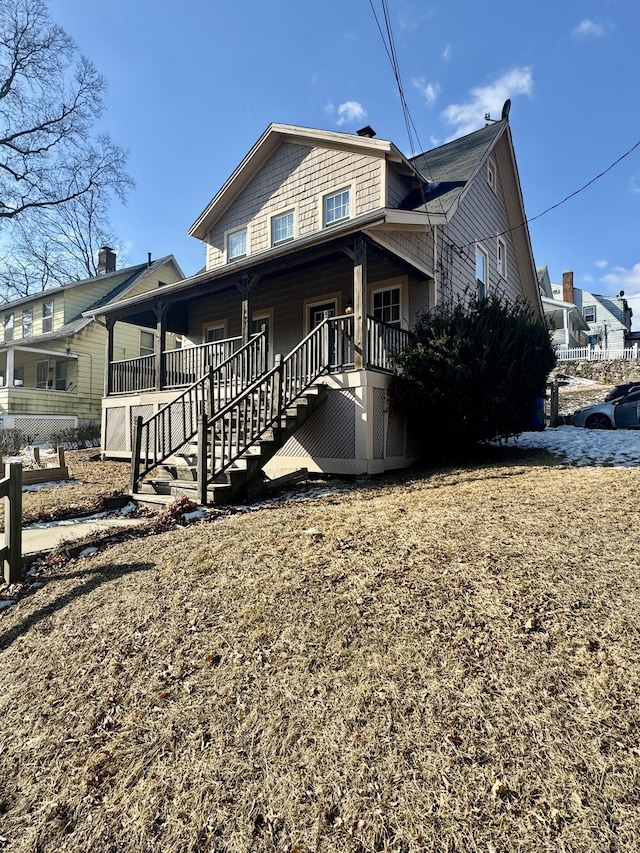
(564, 318)
(52, 357)
(608, 317)
(323, 247)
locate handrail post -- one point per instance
(201, 482)
(277, 391)
(135, 454)
(13, 522)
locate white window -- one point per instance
(147, 343)
(482, 272)
(501, 258)
(282, 228)
(47, 316)
(589, 313)
(491, 175)
(386, 305)
(336, 207)
(8, 326)
(27, 322)
(237, 244)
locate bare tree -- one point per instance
(56, 174)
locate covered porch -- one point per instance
(257, 337)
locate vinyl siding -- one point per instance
(480, 218)
(398, 187)
(297, 176)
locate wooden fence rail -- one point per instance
(11, 491)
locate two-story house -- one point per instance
(321, 250)
(608, 318)
(568, 326)
(52, 358)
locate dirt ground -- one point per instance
(445, 660)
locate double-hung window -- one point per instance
(237, 244)
(336, 207)
(482, 272)
(147, 343)
(8, 326)
(282, 227)
(47, 316)
(589, 313)
(27, 322)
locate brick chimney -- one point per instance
(567, 286)
(106, 260)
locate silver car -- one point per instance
(623, 413)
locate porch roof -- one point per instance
(139, 309)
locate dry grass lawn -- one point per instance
(446, 661)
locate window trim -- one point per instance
(281, 213)
(228, 234)
(501, 258)
(586, 308)
(480, 250)
(348, 188)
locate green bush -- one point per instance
(474, 373)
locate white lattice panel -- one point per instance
(330, 433)
(115, 429)
(39, 430)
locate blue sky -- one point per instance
(193, 85)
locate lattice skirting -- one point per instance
(39, 429)
(330, 433)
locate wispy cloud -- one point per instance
(329, 108)
(488, 99)
(601, 264)
(587, 30)
(446, 53)
(429, 91)
(623, 279)
(634, 184)
(350, 111)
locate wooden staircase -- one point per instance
(178, 474)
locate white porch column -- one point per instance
(10, 367)
(565, 317)
(360, 304)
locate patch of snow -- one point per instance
(35, 487)
(7, 602)
(88, 552)
(618, 448)
(201, 512)
(127, 509)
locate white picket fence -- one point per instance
(591, 353)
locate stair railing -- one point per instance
(176, 423)
(233, 430)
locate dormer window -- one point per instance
(236, 244)
(336, 207)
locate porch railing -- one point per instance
(176, 423)
(384, 343)
(182, 367)
(134, 374)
